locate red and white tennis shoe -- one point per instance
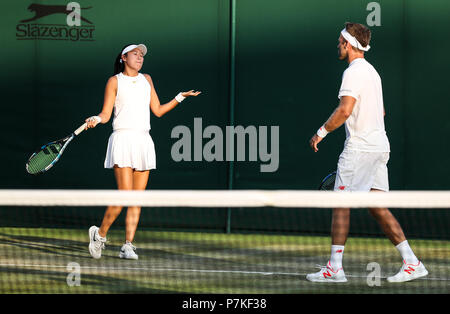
(409, 272)
(327, 274)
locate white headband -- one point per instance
(131, 47)
(353, 41)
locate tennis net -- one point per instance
(217, 242)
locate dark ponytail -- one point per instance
(119, 66)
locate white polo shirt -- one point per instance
(365, 127)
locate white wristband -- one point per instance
(322, 132)
(179, 97)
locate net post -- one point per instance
(228, 226)
(232, 97)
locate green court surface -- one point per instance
(35, 260)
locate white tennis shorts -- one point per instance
(131, 148)
(362, 171)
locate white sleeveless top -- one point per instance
(132, 105)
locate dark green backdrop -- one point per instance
(286, 73)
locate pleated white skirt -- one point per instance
(131, 148)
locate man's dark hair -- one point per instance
(360, 32)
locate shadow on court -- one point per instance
(35, 260)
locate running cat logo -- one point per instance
(42, 10)
(69, 30)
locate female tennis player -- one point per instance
(130, 152)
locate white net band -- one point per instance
(226, 198)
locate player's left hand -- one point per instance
(191, 93)
(316, 139)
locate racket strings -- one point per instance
(328, 183)
(44, 158)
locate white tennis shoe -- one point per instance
(409, 272)
(327, 274)
(96, 242)
(128, 251)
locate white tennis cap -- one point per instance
(132, 47)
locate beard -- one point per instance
(342, 55)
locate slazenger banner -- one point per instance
(63, 22)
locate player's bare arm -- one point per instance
(337, 118)
(341, 114)
(108, 103)
(155, 105)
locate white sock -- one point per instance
(337, 252)
(406, 253)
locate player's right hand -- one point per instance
(92, 122)
(316, 139)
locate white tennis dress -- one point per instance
(130, 144)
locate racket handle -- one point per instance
(80, 129)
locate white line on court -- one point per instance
(150, 269)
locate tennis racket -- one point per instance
(328, 182)
(44, 158)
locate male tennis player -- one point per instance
(362, 165)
